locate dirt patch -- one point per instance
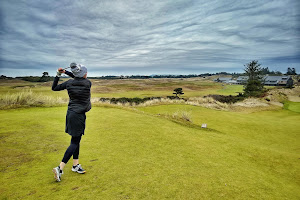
(294, 98)
(279, 95)
(275, 103)
(251, 102)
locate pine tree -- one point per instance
(254, 86)
(178, 91)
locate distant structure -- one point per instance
(242, 80)
(278, 81)
(268, 80)
(223, 80)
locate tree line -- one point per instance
(263, 71)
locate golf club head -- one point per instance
(76, 68)
(73, 67)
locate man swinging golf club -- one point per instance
(79, 90)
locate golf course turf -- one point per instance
(141, 154)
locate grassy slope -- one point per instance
(135, 155)
(218, 89)
(128, 88)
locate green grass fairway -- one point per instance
(142, 155)
(293, 106)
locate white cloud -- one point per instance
(142, 36)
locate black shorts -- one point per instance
(75, 123)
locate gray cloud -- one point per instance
(146, 37)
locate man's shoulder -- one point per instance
(89, 82)
(70, 81)
(79, 81)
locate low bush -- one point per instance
(227, 99)
(130, 101)
(174, 98)
(37, 78)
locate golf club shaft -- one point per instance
(64, 68)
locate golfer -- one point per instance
(79, 90)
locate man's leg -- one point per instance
(62, 165)
(76, 166)
(74, 146)
(75, 162)
(76, 156)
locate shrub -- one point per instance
(172, 97)
(37, 78)
(128, 101)
(227, 99)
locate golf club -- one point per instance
(70, 67)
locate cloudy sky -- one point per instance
(114, 37)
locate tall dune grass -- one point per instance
(207, 102)
(162, 101)
(182, 115)
(27, 98)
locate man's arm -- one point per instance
(69, 74)
(63, 71)
(59, 87)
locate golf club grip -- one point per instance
(63, 69)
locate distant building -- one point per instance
(267, 80)
(278, 80)
(232, 81)
(242, 80)
(223, 80)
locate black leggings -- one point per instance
(73, 149)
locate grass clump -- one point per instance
(182, 115)
(207, 102)
(27, 98)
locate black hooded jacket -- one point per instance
(79, 90)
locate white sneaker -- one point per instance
(57, 173)
(78, 169)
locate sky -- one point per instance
(141, 37)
